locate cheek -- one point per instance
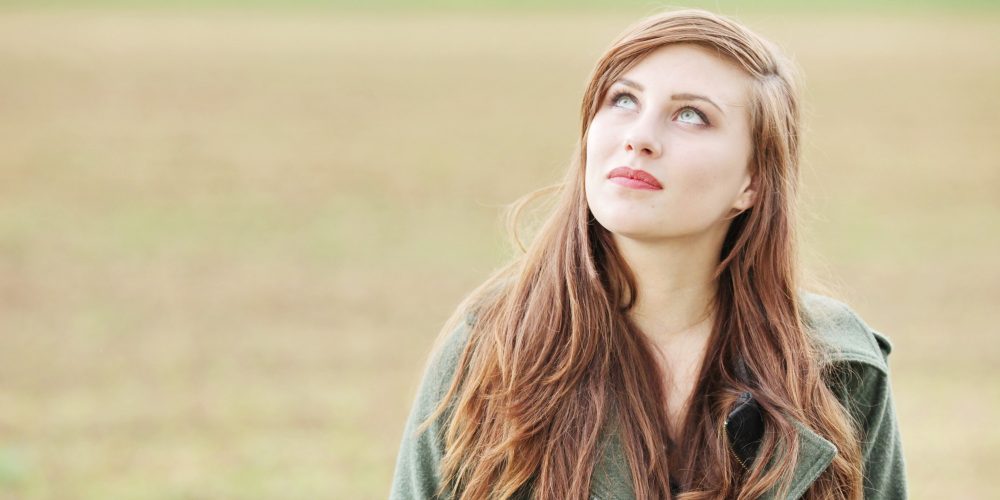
(599, 134)
(596, 149)
(714, 174)
(710, 176)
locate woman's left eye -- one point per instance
(691, 115)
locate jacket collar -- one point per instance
(613, 478)
(815, 452)
(815, 455)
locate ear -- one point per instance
(748, 194)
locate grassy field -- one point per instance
(227, 238)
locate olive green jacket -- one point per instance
(859, 350)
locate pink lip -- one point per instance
(636, 179)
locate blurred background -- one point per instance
(230, 231)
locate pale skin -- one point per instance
(699, 150)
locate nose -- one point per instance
(642, 140)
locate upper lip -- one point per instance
(637, 174)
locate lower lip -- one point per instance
(633, 183)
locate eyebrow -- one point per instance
(683, 96)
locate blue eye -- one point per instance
(622, 100)
(688, 114)
(693, 116)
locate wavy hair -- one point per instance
(553, 362)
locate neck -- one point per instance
(676, 289)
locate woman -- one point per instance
(653, 342)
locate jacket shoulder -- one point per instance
(857, 371)
(443, 361)
(418, 472)
(842, 335)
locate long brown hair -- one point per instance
(552, 361)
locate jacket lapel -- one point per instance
(613, 480)
(815, 455)
(745, 427)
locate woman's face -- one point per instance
(669, 148)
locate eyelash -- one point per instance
(615, 96)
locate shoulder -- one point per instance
(444, 359)
(841, 334)
(856, 369)
(418, 464)
(855, 365)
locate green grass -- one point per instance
(228, 238)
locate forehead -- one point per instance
(689, 68)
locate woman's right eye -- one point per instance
(623, 100)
